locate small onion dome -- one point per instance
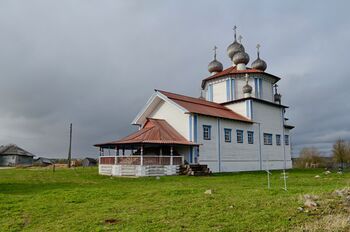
(215, 66)
(234, 48)
(259, 64)
(241, 58)
(247, 88)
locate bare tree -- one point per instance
(341, 152)
(310, 156)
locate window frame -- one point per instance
(238, 131)
(278, 140)
(229, 134)
(267, 142)
(286, 140)
(208, 132)
(252, 137)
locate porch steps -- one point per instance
(195, 170)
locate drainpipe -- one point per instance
(260, 156)
(284, 142)
(219, 145)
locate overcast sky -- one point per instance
(95, 64)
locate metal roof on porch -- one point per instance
(155, 131)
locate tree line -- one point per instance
(311, 157)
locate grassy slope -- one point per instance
(80, 200)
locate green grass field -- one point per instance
(81, 200)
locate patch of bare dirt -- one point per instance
(112, 221)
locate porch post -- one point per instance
(100, 151)
(141, 155)
(123, 151)
(115, 155)
(171, 155)
(160, 159)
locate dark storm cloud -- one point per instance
(95, 63)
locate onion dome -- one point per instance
(259, 64)
(247, 89)
(235, 47)
(215, 66)
(241, 58)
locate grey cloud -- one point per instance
(95, 63)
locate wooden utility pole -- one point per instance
(70, 147)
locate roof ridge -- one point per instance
(201, 101)
(214, 105)
(209, 108)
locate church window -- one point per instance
(250, 137)
(239, 134)
(227, 135)
(206, 132)
(278, 140)
(286, 140)
(210, 93)
(267, 139)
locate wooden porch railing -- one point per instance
(147, 160)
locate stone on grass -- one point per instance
(317, 176)
(342, 192)
(209, 192)
(310, 201)
(310, 204)
(327, 172)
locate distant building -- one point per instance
(42, 161)
(88, 162)
(12, 155)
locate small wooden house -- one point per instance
(88, 162)
(12, 155)
(42, 161)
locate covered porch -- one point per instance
(155, 150)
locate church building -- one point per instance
(238, 124)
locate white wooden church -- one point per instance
(238, 124)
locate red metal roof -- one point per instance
(200, 106)
(155, 131)
(233, 70)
